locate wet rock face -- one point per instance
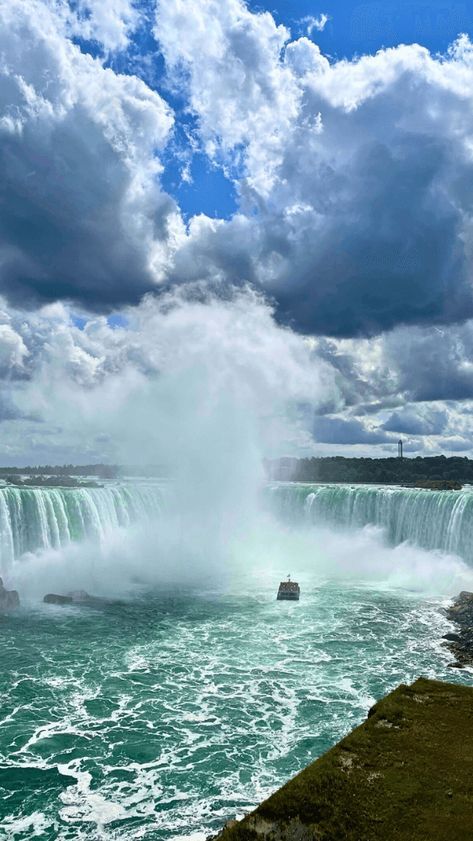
(56, 598)
(9, 599)
(461, 643)
(75, 597)
(79, 597)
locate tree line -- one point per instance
(376, 470)
(103, 471)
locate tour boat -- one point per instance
(289, 591)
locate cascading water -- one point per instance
(32, 519)
(42, 518)
(430, 519)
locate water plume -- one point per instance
(206, 388)
(212, 387)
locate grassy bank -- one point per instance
(406, 773)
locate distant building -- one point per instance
(399, 449)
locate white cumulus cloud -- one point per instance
(109, 22)
(79, 169)
(353, 175)
(316, 23)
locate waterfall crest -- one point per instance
(430, 519)
(41, 518)
(33, 519)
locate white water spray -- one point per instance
(223, 388)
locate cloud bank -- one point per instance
(352, 238)
(353, 176)
(84, 218)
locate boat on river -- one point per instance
(289, 591)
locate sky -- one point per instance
(210, 204)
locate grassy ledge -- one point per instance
(406, 774)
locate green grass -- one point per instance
(406, 774)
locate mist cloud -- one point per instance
(181, 370)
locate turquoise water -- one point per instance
(164, 716)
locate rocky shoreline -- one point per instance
(461, 642)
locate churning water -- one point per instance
(165, 715)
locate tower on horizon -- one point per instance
(399, 449)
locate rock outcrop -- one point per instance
(9, 599)
(57, 598)
(78, 597)
(404, 774)
(461, 643)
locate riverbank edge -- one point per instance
(404, 773)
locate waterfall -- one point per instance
(430, 519)
(32, 519)
(43, 518)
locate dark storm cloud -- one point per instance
(411, 422)
(348, 431)
(63, 231)
(82, 216)
(388, 250)
(385, 245)
(355, 177)
(432, 364)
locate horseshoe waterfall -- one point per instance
(40, 518)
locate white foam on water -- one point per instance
(31, 826)
(82, 805)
